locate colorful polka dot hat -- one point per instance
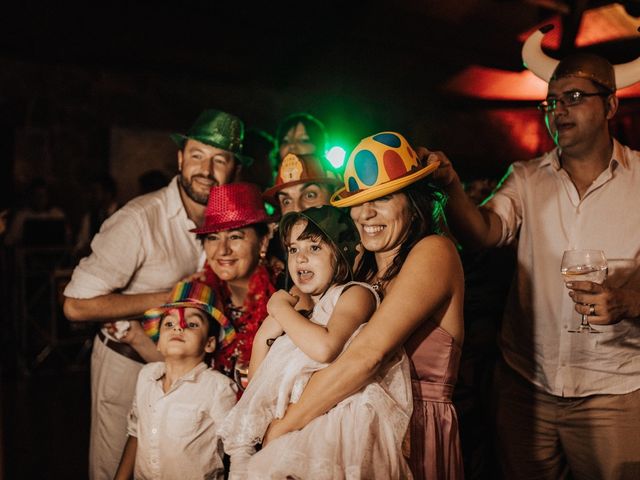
(379, 165)
(194, 295)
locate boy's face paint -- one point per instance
(184, 333)
(183, 322)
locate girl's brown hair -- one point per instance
(342, 270)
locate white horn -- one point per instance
(541, 64)
(627, 73)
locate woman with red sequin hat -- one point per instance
(235, 235)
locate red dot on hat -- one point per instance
(393, 164)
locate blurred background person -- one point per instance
(152, 180)
(102, 204)
(259, 145)
(38, 222)
(488, 274)
(302, 134)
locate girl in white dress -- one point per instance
(362, 437)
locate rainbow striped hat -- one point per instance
(194, 295)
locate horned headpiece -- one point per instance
(584, 65)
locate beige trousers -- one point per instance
(113, 383)
(541, 436)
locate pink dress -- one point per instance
(435, 443)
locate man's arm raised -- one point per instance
(474, 227)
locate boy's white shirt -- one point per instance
(177, 430)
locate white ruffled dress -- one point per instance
(361, 437)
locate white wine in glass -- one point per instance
(584, 265)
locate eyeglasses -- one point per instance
(568, 99)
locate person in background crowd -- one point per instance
(38, 222)
(140, 253)
(302, 134)
(3, 221)
(568, 404)
(102, 204)
(152, 180)
(259, 145)
(488, 275)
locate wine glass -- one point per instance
(584, 265)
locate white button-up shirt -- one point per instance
(541, 209)
(145, 247)
(177, 431)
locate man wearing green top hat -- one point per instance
(140, 253)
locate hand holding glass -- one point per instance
(584, 266)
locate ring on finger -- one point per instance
(592, 310)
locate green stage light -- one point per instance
(269, 208)
(336, 155)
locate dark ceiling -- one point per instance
(277, 44)
(72, 71)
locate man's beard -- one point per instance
(187, 185)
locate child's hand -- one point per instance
(200, 276)
(305, 302)
(281, 299)
(134, 334)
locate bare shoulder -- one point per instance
(438, 254)
(433, 261)
(358, 295)
(434, 249)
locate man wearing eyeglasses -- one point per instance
(567, 404)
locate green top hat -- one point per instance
(218, 129)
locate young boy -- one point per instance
(179, 403)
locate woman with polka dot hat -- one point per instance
(419, 274)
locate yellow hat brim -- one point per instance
(377, 191)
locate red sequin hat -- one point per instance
(232, 206)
